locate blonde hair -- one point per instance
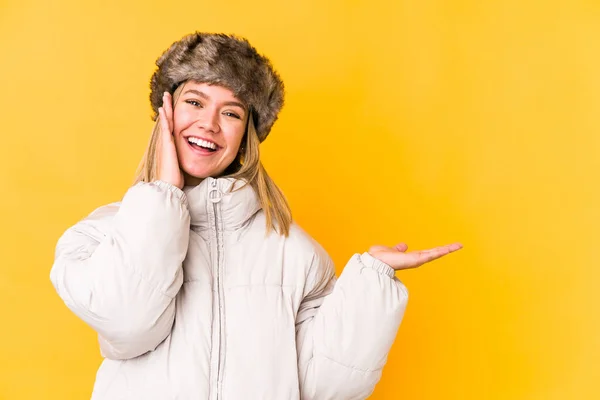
(246, 166)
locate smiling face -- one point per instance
(208, 126)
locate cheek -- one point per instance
(234, 139)
(179, 122)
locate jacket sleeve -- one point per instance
(120, 269)
(345, 329)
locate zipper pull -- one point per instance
(214, 195)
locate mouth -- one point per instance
(202, 146)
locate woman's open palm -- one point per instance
(397, 257)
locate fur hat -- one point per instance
(224, 60)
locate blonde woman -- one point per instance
(198, 283)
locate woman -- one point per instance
(198, 283)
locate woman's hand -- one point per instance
(397, 257)
(168, 163)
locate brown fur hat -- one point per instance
(224, 60)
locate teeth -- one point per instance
(202, 143)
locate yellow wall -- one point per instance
(427, 121)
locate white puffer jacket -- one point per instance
(192, 300)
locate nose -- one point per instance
(209, 121)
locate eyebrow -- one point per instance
(205, 96)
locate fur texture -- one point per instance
(224, 60)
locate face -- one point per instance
(208, 126)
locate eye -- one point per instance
(194, 103)
(230, 114)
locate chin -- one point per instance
(198, 174)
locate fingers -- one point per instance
(165, 133)
(417, 258)
(433, 254)
(449, 248)
(401, 247)
(165, 114)
(168, 108)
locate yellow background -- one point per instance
(425, 121)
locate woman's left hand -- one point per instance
(397, 257)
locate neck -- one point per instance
(191, 180)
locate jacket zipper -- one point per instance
(215, 198)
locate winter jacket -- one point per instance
(193, 299)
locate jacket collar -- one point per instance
(236, 207)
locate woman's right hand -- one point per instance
(168, 163)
